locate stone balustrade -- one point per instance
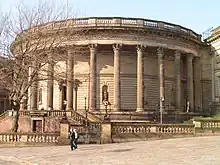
(211, 124)
(143, 128)
(175, 129)
(52, 113)
(123, 128)
(28, 138)
(3, 115)
(116, 21)
(207, 123)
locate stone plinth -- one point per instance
(106, 134)
(64, 129)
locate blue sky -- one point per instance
(197, 15)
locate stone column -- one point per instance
(22, 104)
(197, 83)
(69, 83)
(61, 96)
(75, 98)
(117, 100)
(213, 77)
(34, 96)
(177, 80)
(50, 74)
(161, 77)
(5, 104)
(33, 89)
(190, 89)
(92, 89)
(140, 79)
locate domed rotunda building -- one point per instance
(127, 64)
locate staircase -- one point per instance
(4, 115)
(88, 129)
(90, 116)
(89, 126)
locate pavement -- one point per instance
(182, 151)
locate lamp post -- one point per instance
(161, 109)
(106, 110)
(86, 113)
(87, 129)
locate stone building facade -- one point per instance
(133, 64)
(214, 41)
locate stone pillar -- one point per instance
(61, 96)
(177, 80)
(161, 77)
(22, 104)
(140, 79)
(75, 98)
(106, 134)
(69, 83)
(33, 88)
(50, 74)
(34, 96)
(92, 89)
(213, 77)
(5, 104)
(197, 84)
(190, 89)
(117, 100)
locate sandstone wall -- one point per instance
(128, 64)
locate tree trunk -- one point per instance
(15, 124)
(15, 121)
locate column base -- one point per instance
(116, 109)
(140, 110)
(92, 109)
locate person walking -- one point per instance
(73, 138)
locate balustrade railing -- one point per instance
(4, 115)
(111, 21)
(24, 113)
(175, 129)
(209, 124)
(122, 128)
(143, 128)
(28, 137)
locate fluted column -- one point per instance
(50, 74)
(69, 83)
(177, 80)
(160, 53)
(92, 89)
(213, 77)
(61, 96)
(117, 98)
(33, 90)
(190, 89)
(140, 79)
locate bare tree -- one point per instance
(28, 39)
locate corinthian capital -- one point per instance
(117, 47)
(160, 52)
(93, 47)
(141, 47)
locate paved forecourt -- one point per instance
(183, 151)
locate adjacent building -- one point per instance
(214, 41)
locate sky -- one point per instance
(198, 15)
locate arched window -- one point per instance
(104, 93)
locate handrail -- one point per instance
(4, 114)
(118, 22)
